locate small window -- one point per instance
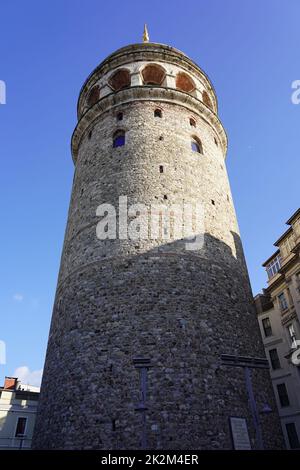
(161, 169)
(275, 362)
(213, 202)
(165, 197)
(119, 139)
(158, 113)
(267, 326)
(206, 99)
(119, 116)
(120, 79)
(282, 302)
(273, 267)
(21, 426)
(292, 335)
(216, 142)
(90, 135)
(153, 74)
(185, 83)
(192, 122)
(283, 395)
(196, 145)
(93, 96)
(292, 435)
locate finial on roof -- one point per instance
(145, 35)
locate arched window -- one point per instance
(196, 145)
(119, 116)
(206, 99)
(158, 113)
(93, 96)
(185, 83)
(118, 139)
(153, 74)
(192, 122)
(120, 79)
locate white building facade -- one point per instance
(278, 311)
(18, 405)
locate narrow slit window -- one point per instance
(192, 122)
(196, 145)
(119, 139)
(21, 426)
(158, 113)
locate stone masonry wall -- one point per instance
(121, 299)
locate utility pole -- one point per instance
(143, 364)
(248, 363)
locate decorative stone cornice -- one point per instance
(146, 93)
(145, 52)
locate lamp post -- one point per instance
(143, 364)
(248, 363)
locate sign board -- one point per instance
(239, 433)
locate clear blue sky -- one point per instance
(249, 49)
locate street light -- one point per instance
(143, 364)
(248, 363)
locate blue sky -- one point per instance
(248, 48)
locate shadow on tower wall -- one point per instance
(178, 309)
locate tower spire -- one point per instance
(145, 34)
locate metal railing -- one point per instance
(19, 442)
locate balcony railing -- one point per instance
(21, 442)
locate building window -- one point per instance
(196, 145)
(158, 113)
(206, 99)
(275, 362)
(119, 116)
(161, 168)
(21, 426)
(120, 79)
(283, 395)
(282, 302)
(119, 139)
(274, 266)
(184, 82)
(292, 435)
(292, 335)
(153, 74)
(94, 95)
(216, 142)
(267, 327)
(192, 122)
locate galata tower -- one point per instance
(152, 330)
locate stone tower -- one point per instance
(140, 323)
